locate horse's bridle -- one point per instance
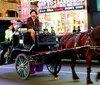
(91, 42)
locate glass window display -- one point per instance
(64, 16)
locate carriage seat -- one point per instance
(46, 39)
(41, 39)
(27, 40)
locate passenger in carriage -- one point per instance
(32, 23)
(9, 32)
(45, 31)
(8, 37)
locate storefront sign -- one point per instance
(50, 10)
(43, 4)
(25, 9)
(61, 9)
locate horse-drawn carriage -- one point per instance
(30, 56)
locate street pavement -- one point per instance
(8, 82)
(9, 77)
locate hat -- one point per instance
(33, 11)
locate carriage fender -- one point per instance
(16, 52)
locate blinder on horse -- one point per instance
(94, 39)
(95, 34)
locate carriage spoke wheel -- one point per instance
(22, 66)
(51, 66)
(3, 58)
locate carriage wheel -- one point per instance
(2, 58)
(51, 66)
(22, 66)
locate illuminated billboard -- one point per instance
(63, 15)
(60, 5)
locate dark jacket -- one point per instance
(32, 24)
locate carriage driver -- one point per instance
(32, 23)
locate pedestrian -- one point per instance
(79, 29)
(52, 31)
(32, 23)
(9, 33)
(74, 30)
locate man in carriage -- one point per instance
(33, 23)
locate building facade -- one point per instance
(9, 9)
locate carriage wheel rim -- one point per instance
(52, 65)
(22, 66)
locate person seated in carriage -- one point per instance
(45, 31)
(32, 23)
(8, 37)
(9, 32)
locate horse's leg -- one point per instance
(74, 75)
(88, 66)
(97, 76)
(56, 67)
(56, 77)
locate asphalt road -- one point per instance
(9, 77)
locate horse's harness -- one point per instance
(93, 47)
(89, 44)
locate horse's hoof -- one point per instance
(96, 79)
(77, 80)
(56, 78)
(90, 84)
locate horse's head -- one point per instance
(95, 36)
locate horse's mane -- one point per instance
(95, 34)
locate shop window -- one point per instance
(11, 13)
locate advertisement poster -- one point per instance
(25, 9)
